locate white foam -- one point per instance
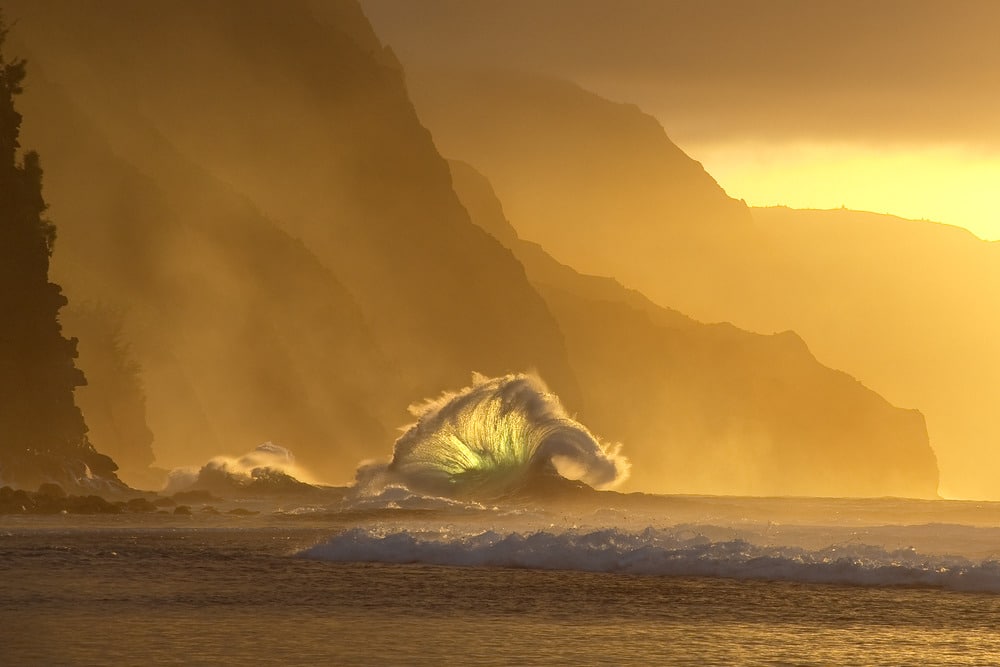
(240, 470)
(397, 496)
(663, 552)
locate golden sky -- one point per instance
(881, 105)
(939, 182)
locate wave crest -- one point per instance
(664, 552)
(492, 438)
(269, 468)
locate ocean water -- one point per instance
(402, 579)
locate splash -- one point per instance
(268, 468)
(496, 437)
(672, 552)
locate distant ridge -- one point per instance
(906, 307)
(910, 306)
(711, 408)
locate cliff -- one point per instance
(249, 184)
(904, 306)
(235, 326)
(910, 306)
(713, 408)
(597, 183)
(302, 110)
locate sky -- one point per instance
(880, 105)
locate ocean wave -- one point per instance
(399, 497)
(267, 469)
(496, 437)
(663, 552)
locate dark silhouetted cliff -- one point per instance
(43, 436)
(113, 400)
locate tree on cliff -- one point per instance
(114, 400)
(43, 436)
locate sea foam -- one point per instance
(662, 552)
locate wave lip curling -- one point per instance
(495, 437)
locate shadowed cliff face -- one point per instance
(43, 435)
(264, 206)
(113, 399)
(235, 327)
(301, 110)
(712, 408)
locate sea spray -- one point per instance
(663, 552)
(267, 468)
(492, 438)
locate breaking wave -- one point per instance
(269, 468)
(495, 437)
(664, 552)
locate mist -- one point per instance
(889, 70)
(384, 332)
(881, 106)
(290, 232)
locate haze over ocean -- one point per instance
(381, 332)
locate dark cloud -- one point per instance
(864, 70)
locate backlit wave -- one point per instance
(493, 438)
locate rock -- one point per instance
(140, 505)
(51, 490)
(195, 496)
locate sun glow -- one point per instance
(950, 184)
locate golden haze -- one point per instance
(271, 212)
(951, 184)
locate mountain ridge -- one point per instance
(710, 408)
(903, 307)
